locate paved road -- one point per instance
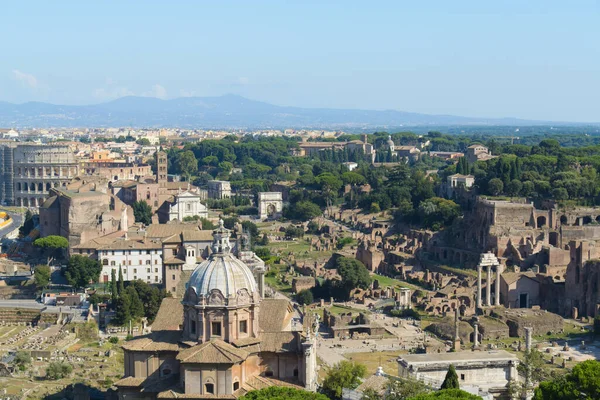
(17, 221)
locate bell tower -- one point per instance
(161, 169)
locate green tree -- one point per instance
(343, 375)
(583, 382)
(495, 186)
(142, 212)
(150, 296)
(22, 360)
(143, 142)
(447, 394)
(41, 276)
(28, 224)
(57, 370)
(207, 224)
(302, 211)
(122, 310)
(354, 274)
(451, 379)
(514, 187)
(187, 164)
(560, 193)
(121, 283)
(52, 246)
(114, 292)
(282, 393)
(305, 297)
(136, 308)
(82, 270)
(398, 389)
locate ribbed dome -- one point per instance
(222, 271)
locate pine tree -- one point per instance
(113, 288)
(121, 287)
(451, 379)
(123, 310)
(389, 155)
(136, 308)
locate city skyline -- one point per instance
(533, 61)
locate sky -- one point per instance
(510, 58)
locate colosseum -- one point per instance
(38, 168)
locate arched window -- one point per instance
(105, 261)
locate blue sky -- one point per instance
(529, 59)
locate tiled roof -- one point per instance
(212, 352)
(279, 342)
(156, 341)
(169, 316)
(197, 236)
(167, 230)
(275, 314)
(119, 244)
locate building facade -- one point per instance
(137, 259)
(270, 205)
(40, 168)
(222, 340)
(219, 190)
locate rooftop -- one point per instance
(458, 357)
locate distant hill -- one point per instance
(229, 111)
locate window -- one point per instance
(268, 373)
(216, 329)
(236, 386)
(209, 388)
(135, 278)
(148, 270)
(135, 270)
(129, 262)
(173, 289)
(192, 325)
(156, 279)
(156, 270)
(462, 377)
(148, 252)
(148, 262)
(113, 252)
(244, 326)
(155, 262)
(173, 276)
(112, 263)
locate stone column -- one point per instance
(528, 338)
(456, 330)
(479, 286)
(488, 287)
(498, 272)
(475, 335)
(261, 282)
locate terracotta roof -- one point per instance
(119, 244)
(173, 261)
(169, 316)
(375, 382)
(130, 381)
(167, 230)
(279, 342)
(156, 341)
(215, 351)
(197, 236)
(275, 314)
(100, 241)
(512, 277)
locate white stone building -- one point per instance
(270, 204)
(219, 190)
(187, 204)
(483, 372)
(138, 259)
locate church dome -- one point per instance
(222, 271)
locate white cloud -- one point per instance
(157, 91)
(26, 79)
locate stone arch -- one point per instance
(541, 221)
(587, 220)
(553, 239)
(564, 220)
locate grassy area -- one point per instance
(387, 281)
(275, 282)
(372, 360)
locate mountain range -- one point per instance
(226, 112)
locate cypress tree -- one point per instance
(113, 288)
(451, 379)
(136, 308)
(123, 311)
(121, 287)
